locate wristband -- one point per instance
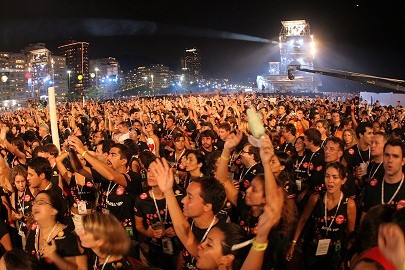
(294, 242)
(402, 267)
(225, 158)
(258, 246)
(84, 153)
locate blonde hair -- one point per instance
(107, 228)
(353, 133)
(17, 170)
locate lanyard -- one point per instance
(109, 191)
(358, 150)
(247, 171)
(157, 209)
(299, 165)
(375, 171)
(310, 160)
(326, 212)
(80, 191)
(105, 262)
(206, 233)
(395, 194)
(36, 243)
(176, 160)
(22, 205)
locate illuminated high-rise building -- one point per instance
(77, 61)
(13, 84)
(191, 65)
(45, 70)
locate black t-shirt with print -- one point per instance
(247, 174)
(86, 193)
(354, 157)
(66, 246)
(146, 209)
(92, 263)
(373, 191)
(188, 260)
(119, 200)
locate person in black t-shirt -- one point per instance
(359, 154)
(391, 188)
(119, 186)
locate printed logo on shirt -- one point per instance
(400, 204)
(340, 219)
(143, 196)
(27, 198)
(351, 151)
(319, 168)
(120, 190)
(373, 182)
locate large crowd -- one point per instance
(185, 182)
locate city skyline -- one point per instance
(360, 36)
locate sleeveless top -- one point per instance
(335, 226)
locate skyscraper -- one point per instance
(77, 61)
(191, 65)
(13, 76)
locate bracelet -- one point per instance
(225, 158)
(402, 267)
(84, 153)
(294, 242)
(258, 246)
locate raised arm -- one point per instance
(66, 175)
(102, 168)
(164, 175)
(222, 171)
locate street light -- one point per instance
(68, 72)
(96, 70)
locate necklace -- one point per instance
(95, 267)
(47, 239)
(395, 194)
(369, 154)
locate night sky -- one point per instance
(362, 36)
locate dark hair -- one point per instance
(178, 136)
(225, 125)
(200, 158)
(56, 203)
(29, 136)
(255, 151)
(184, 111)
(41, 165)
(212, 191)
(313, 135)
(211, 160)
(124, 152)
(367, 236)
(20, 260)
(361, 128)
(339, 167)
(51, 149)
(234, 234)
(208, 133)
(337, 141)
(399, 219)
(396, 142)
(146, 158)
(290, 128)
(19, 143)
(106, 145)
(132, 146)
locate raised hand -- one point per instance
(271, 216)
(391, 241)
(161, 170)
(233, 140)
(266, 149)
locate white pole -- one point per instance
(83, 101)
(54, 119)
